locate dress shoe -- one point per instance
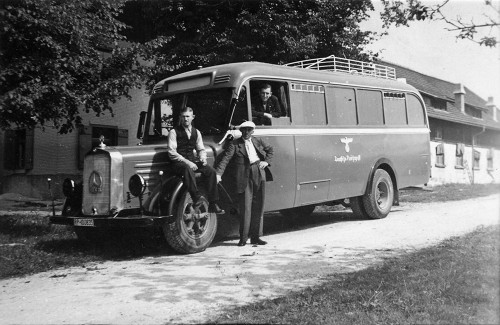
(257, 241)
(242, 243)
(214, 208)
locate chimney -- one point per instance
(492, 108)
(460, 97)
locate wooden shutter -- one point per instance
(122, 137)
(28, 149)
(9, 156)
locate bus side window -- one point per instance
(341, 106)
(416, 115)
(308, 105)
(370, 107)
(394, 108)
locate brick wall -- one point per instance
(55, 155)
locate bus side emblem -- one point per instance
(346, 141)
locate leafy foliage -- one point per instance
(184, 35)
(58, 57)
(399, 13)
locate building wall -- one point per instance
(55, 155)
(451, 174)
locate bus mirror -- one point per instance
(140, 127)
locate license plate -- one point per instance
(84, 222)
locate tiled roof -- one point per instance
(442, 89)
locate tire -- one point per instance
(298, 212)
(356, 204)
(377, 201)
(190, 232)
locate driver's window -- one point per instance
(162, 121)
(270, 102)
(167, 119)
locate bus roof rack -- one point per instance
(334, 64)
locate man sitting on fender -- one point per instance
(183, 140)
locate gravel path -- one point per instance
(192, 288)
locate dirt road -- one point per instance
(191, 288)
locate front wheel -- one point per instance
(191, 231)
(377, 202)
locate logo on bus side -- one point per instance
(346, 158)
(346, 141)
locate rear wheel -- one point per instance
(298, 212)
(377, 202)
(191, 231)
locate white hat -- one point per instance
(247, 124)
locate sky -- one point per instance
(427, 47)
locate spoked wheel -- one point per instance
(377, 202)
(191, 230)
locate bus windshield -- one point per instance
(211, 109)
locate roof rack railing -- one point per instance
(334, 64)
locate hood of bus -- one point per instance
(107, 172)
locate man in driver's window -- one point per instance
(183, 141)
(265, 106)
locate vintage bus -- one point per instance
(349, 132)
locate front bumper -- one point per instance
(132, 221)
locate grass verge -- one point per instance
(29, 244)
(456, 282)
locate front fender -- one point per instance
(165, 195)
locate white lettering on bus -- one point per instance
(348, 158)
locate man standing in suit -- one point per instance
(251, 158)
(183, 141)
(265, 106)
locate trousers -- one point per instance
(251, 205)
(209, 176)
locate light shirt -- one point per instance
(172, 146)
(252, 154)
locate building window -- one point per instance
(490, 159)
(459, 156)
(474, 112)
(438, 103)
(477, 158)
(440, 155)
(18, 149)
(437, 132)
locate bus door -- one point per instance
(280, 193)
(312, 145)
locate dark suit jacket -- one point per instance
(237, 154)
(273, 107)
